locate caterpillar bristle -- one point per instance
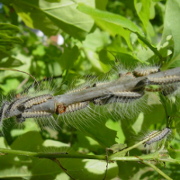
(15, 104)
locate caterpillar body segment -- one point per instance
(164, 80)
(118, 96)
(100, 84)
(156, 136)
(126, 97)
(35, 114)
(3, 111)
(76, 106)
(138, 72)
(127, 94)
(77, 90)
(36, 100)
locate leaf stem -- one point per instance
(150, 46)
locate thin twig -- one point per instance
(65, 170)
(10, 69)
(107, 162)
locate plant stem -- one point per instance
(51, 155)
(114, 157)
(157, 169)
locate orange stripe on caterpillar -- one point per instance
(164, 80)
(36, 100)
(153, 90)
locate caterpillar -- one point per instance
(35, 114)
(77, 90)
(76, 106)
(157, 136)
(138, 72)
(127, 94)
(36, 100)
(168, 90)
(164, 80)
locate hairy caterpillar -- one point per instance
(76, 106)
(169, 90)
(36, 114)
(36, 100)
(77, 90)
(144, 71)
(164, 80)
(121, 102)
(156, 136)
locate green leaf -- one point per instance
(8, 28)
(6, 40)
(171, 27)
(13, 166)
(143, 10)
(113, 23)
(69, 57)
(50, 17)
(109, 17)
(99, 136)
(96, 40)
(89, 169)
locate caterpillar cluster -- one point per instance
(124, 103)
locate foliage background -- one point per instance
(94, 33)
